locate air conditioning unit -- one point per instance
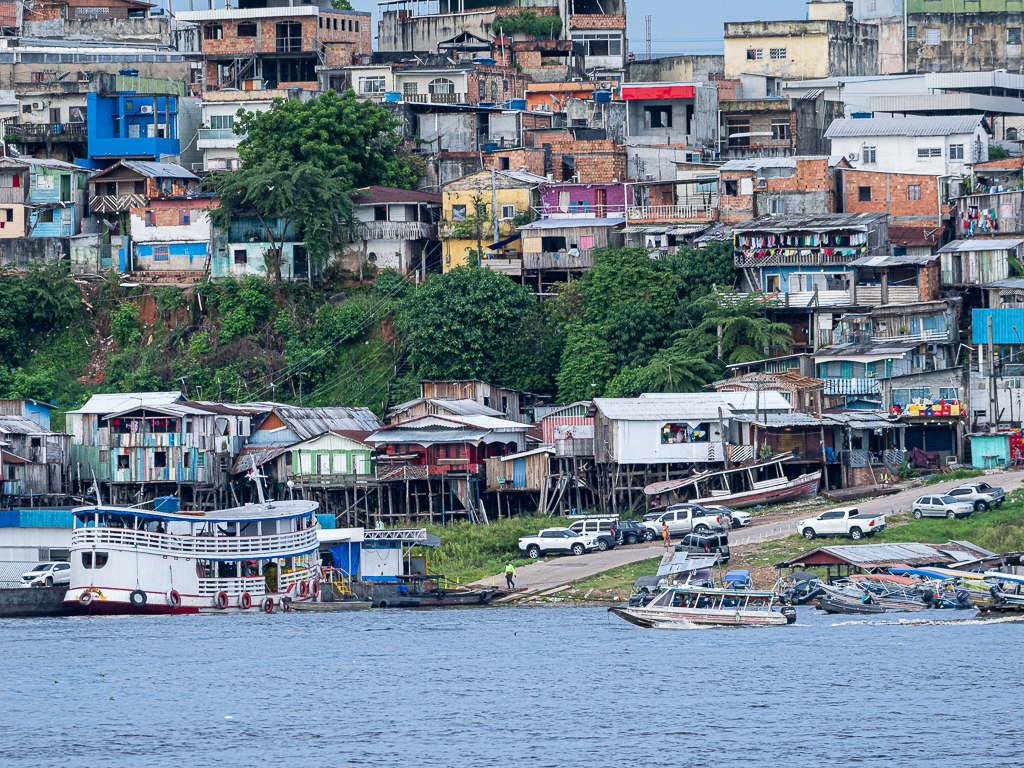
(37, 105)
(852, 156)
(146, 109)
(605, 85)
(762, 183)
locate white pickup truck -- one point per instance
(844, 521)
(557, 541)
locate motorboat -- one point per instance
(743, 486)
(851, 594)
(682, 606)
(831, 605)
(800, 588)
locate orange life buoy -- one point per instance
(245, 602)
(221, 601)
(174, 599)
(303, 589)
(268, 605)
(314, 587)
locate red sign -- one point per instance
(658, 91)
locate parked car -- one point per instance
(941, 506)
(47, 575)
(629, 531)
(681, 519)
(737, 518)
(606, 531)
(981, 495)
(557, 541)
(706, 543)
(844, 521)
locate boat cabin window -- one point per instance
(685, 433)
(94, 559)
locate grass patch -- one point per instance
(956, 474)
(469, 552)
(997, 530)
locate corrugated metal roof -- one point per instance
(872, 556)
(159, 170)
(1010, 282)
(524, 176)
(263, 454)
(766, 400)
(825, 222)
(893, 261)
(376, 195)
(686, 406)
(310, 422)
(902, 126)
(572, 223)
(753, 163)
(118, 402)
(963, 246)
(248, 13)
(427, 435)
(19, 425)
(786, 420)
(463, 407)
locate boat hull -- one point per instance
(698, 617)
(801, 487)
(829, 605)
(117, 602)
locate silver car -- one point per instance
(981, 495)
(941, 506)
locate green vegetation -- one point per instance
(528, 22)
(996, 152)
(469, 552)
(956, 474)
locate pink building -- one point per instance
(586, 201)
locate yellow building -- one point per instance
(828, 43)
(468, 206)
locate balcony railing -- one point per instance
(671, 213)
(394, 473)
(795, 257)
(552, 260)
(12, 194)
(51, 131)
(272, 545)
(828, 337)
(116, 203)
(852, 386)
(395, 230)
(219, 133)
(437, 98)
(582, 446)
(255, 586)
(579, 212)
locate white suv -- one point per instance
(557, 541)
(47, 575)
(981, 495)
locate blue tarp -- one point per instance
(345, 557)
(326, 521)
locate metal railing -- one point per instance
(852, 386)
(436, 98)
(274, 545)
(72, 131)
(670, 213)
(286, 580)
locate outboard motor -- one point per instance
(963, 599)
(928, 597)
(996, 594)
(790, 613)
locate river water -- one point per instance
(543, 686)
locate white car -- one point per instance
(941, 506)
(738, 518)
(557, 541)
(47, 575)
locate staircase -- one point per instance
(464, 491)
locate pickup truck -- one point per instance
(845, 521)
(557, 541)
(981, 495)
(682, 519)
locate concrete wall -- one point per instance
(813, 48)
(668, 69)
(448, 132)
(899, 153)
(33, 602)
(987, 50)
(610, 115)
(32, 250)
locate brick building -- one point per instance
(281, 45)
(917, 214)
(767, 186)
(774, 127)
(581, 162)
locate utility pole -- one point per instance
(992, 415)
(648, 20)
(494, 202)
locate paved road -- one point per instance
(544, 575)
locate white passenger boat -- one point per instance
(689, 605)
(252, 558)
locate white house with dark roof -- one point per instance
(942, 146)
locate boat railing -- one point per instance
(285, 580)
(198, 546)
(255, 586)
(339, 579)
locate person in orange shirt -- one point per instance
(664, 533)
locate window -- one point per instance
(410, 89)
(505, 163)
(95, 559)
(1011, 134)
(241, 256)
(494, 90)
(46, 217)
(380, 213)
(913, 192)
(949, 393)
(777, 53)
(374, 84)
(740, 126)
(731, 188)
(846, 370)
(124, 462)
(8, 214)
(599, 43)
(780, 128)
(755, 54)
(972, 36)
(863, 194)
(928, 152)
(150, 218)
(870, 155)
(357, 26)
(911, 33)
(222, 121)
(481, 89)
(458, 213)
(777, 206)
(247, 29)
(657, 117)
(552, 244)
(213, 32)
(508, 211)
(956, 151)
(159, 458)
(1013, 35)
(441, 85)
(932, 37)
(161, 253)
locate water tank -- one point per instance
(487, 61)
(128, 72)
(604, 96)
(490, 146)
(392, 96)
(166, 504)
(517, 104)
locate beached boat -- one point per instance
(691, 605)
(745, 486)
(252, 558)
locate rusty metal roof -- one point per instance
(871, 556)
(310, 422)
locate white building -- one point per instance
(396, 229)
(927, 145)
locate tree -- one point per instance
(341, 5)
(739, 324)
(288, 199)
(463, 323)
(587, 364)
(355, 142)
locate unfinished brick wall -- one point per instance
(597, 21)
(594, 161)
(929, 282)
(500, 84)
(335, 30)
(811, 175)
(531, 159)
(891, 193)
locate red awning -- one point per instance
(658, 91)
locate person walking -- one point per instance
(664, 533)
(510, 573)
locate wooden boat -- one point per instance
(331, 607)
(890, 600)
(690, 605)
(745, 486)
(830, 605)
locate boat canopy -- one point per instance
(738, 575)
(928, 574)
(271, 510)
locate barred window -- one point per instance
(778, 53)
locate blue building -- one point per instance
(137, 121)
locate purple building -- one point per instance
(586, 201)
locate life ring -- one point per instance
(221, 601)
(137, 598)
(174, 599)
(85, 598)
(244, 601)
(314, 587)
(268, 605)
(303, 589)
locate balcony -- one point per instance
(14, 195)
(580, 212)
(871, 295)
(398, 472)
(273, 545)
(116, 203)
(828, 337)
(395, 230)
(795, 258)
(559, 260)
(218, 138)
(852, 386)
(49, 131)
(582, 446)
(436, 98)
(652, 213)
